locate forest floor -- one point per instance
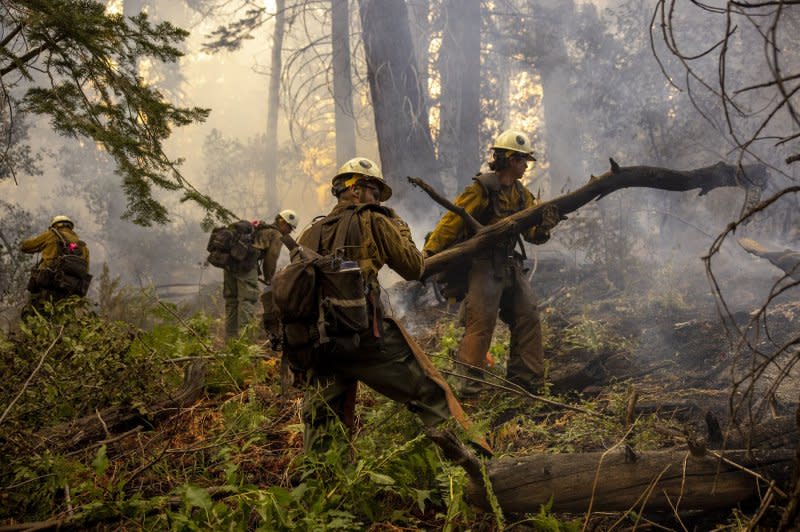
(233, 458)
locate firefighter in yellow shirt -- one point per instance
(495, 280)
(63, 269)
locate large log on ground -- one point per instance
(616, 483)
(95, 427)
(708, 178)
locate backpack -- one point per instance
(231, 248)
(69, 273)
(322, 298)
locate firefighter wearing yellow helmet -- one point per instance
(63, 269)
(495, 280)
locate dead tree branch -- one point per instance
(705, 179)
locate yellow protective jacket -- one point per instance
(487, 202)
(381, 244)
(268, 241)
(48, 243)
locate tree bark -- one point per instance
(94, 427)
(651, 482)
(706, 179)
(398, 98)
(460, 75)
(342, 82)
(273, 104)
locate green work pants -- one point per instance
(240, 291)
(386, 365)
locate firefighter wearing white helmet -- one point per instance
(240, 279)
(62, 221)
(63, 269)
(359, 170)
(267, 239)
(494, 280)
(289, 216)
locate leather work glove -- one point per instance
(550, 218)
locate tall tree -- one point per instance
(562, 134)
(398, 98)
(342, 82)
(91, 88)
(270, 171)
(460, 75)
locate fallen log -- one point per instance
(100, 425)
(654, 481)
(705, 179)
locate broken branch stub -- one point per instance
(618, 177)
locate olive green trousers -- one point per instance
(240, 291)
(386, 365)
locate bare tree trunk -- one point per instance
(271, 156)
(342, 82)
(619, 481)
(460, 74)
(398, 98)
(419, 12)
(561, 132)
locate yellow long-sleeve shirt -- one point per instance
(476, 201)
(47, 244)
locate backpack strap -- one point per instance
(60, 237)
(348, 233)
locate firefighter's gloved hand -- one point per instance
(550, 218)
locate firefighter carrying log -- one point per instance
(350, 340)
(496, 280)
(63, 269)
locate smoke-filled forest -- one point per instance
(399, 265)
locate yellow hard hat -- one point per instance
(61, 219)
(516, 141)
(290, 217)
(360, 168)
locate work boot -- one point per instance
(469, 388)
(530, 383)
(455, 451)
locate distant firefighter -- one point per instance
(787, 260)
(495, 280)
(237, 249)
(63, 269)
(270, 239)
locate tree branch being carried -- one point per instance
(708, 178)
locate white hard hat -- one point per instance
(61, 219)
(289, 216)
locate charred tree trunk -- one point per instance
(649, 481)
(276, 65)
(561, 132)
(342, 82)
(95, 427)
(398, 98)
(706, 179)
(460, 74)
